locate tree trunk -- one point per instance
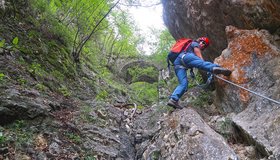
(81, 45)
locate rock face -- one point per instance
(199, 18)
(184, 135)
(107, 136)
(255, 61)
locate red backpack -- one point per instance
(181, 44)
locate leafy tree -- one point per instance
(112, 32)
(162, 48)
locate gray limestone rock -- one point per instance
(185, 135)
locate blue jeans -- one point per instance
(191, 61)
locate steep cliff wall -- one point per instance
(255, 61)
(247, 34)
(199, 18)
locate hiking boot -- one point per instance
(220, 70)
(174, 104)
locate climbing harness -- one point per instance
(205, 85)
(277, 102)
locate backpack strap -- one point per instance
(168, 64)
(182, 60)
(188, 45)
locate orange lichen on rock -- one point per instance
(244, 95)
(243, 45)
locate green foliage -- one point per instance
(5, 45)
(2, 76)
(20, 135)
(102, 95)
(203, 99)
(144, 92)
(85, 114)
(36, 69)
(90, 158)
(172, 83)
(40, 87)
(2, 43)
(58, 75)
(194, 82)
(136, 72)
(79, 18)
(140, 107)
(21, 81)
(155, 155)
(64, 91)
(15, 41)
(73, 137)
(3, 139)
(52, 38)
(19, 124)
(226, 128)
(162, 48)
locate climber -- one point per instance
(191, 57)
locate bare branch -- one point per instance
(95, 27)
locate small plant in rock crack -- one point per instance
(86, 115)
(226, 128)
(2, 77)
(74, 137)
(36, 69)
(3, 139)
(202, 99)
(20, 133)
(102, 95)
(64, 90)
(40, 87)
(21, 81)
(90, 158)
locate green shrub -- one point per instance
(226, 128)
(90, 158)
(85, 114)
(40, 87)
(21, 81)
(194, 82)
(2, 43)
(20, 134)
(74, 137)
(64, 90)
(202, 99)
(136, 72)
(36, 69)
(145, 93)
(2, 76)
(3, 139)
(58, 75)
(102, 95)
